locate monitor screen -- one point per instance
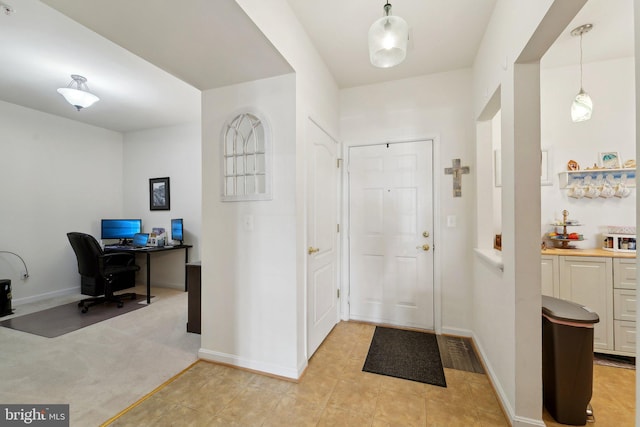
(176, 230)
(120, 228)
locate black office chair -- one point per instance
(94, 263)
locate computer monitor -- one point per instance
(123, 229)
(177, 231)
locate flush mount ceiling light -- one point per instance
(582, 106)
(388, 38)
(77, 93)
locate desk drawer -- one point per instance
(624, 304)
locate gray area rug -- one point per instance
(410, 355)
(66, 318)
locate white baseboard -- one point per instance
(253, 365)
(46, 296)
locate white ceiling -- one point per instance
(148, 60)
(443, 35)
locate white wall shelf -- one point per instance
(568, 177)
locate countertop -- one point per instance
(594, 252)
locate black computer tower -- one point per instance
(5, 297)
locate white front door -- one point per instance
(322, 236)
(391, 233)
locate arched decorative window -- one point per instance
(246, 156)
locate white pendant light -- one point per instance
(582, 105)
(77, 93)
(388, 38)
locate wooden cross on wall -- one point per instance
(457, 172)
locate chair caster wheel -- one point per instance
(80, 304)
(120, 304)
(85, 309)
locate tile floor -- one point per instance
(333, 392)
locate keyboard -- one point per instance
(118, 247)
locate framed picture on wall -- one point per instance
(159, 194)
(610, 160)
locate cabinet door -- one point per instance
(550, 276)
(624, 273)
(589, 281)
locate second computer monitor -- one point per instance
(177, 231)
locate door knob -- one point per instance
(424, 247)
(425, 234)
(313, 250)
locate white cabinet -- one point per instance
(624, 303)
(604, 284)
(624, 273)
(589, 281)
(550, 276)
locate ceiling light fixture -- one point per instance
(582, 106)
(388, 38)
(77, 93)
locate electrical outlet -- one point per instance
(24, 275)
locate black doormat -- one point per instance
(410, 355)
(66, 318)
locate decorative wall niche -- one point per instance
(246, 157)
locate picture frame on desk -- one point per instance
(159, 194)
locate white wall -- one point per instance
(435, 106)
(249, 289)
(57, 176)
(316, 98)
(611, 128)
(506, 305)
(173, 152)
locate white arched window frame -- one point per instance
(246, 157)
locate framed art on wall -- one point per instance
(610, 160)
(159, 194)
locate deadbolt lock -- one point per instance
(425, 234)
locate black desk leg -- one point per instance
(148, 278)
(186, 261)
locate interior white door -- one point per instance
(322, 236)
(391, 234)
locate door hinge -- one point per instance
(338, 293)
(338, 162)
(338, 227)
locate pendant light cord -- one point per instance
(580, 61)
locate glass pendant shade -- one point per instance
(77, 93)
(388, 38)
(581, 107)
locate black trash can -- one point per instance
(567, 359)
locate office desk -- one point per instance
(151, 250)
